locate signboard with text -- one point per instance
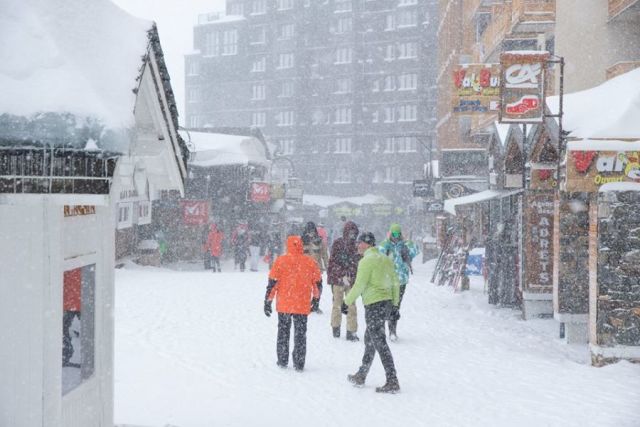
(539, 223)
(260, 192)
(422, 188)
(522, 86)
(476, 88)
(588, 170)
(195, 212)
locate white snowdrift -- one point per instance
(216, 149)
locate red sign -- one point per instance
(195, 212)
(260, 192)
(522, 86)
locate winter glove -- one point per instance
(344, 308)
(267, 308)
(395, 314)
(315, 304)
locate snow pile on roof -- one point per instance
(482, 196)
(70, 57)
(326, 201)
(611, 110)
(620, 186)
(218, 149)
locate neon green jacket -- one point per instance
(376, 280)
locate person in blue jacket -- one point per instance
(402, 252)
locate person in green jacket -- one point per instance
(378, 285)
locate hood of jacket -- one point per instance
(294, 245)
(350, 227)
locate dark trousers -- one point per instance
(215, 263)
(375, 340)
(393, 323)
(299, 339)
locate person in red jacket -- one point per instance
(293, 282)
(213, 246)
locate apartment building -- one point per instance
(345, 88)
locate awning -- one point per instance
(482, 196)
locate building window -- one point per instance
(408, 50)
(285, 60)
(343, 176)
(343, 6)
(286, 31)
(406, 144)
(236, 9)
(343, 146)
(407, 18)
(286, 89)
(389, 114)
(390, 22)
(375, 116)
(258, 7)
(230, 42)
(389, 83)
(286, 147)
(78, 326)
(375, 85)
(194, 122)
(390, 52)
(194, 67)
(408, 81)
(343, 115)
(388, 145)
(258, 35)
(212, 44)
(259, 65)
(285, 4)
(407, 2)
(344, 55)
(344, 25)
(259, 119)
(344, 85)
(389, 174)
(194, 95)
(285, 118)
(258, 92)
(407, 113)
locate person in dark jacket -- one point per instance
(341, 274)
(315, 247)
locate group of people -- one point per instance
(356, 267)
(246, 244)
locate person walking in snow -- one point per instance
(341, 274)
(377, 284)
(240, 243)
(402, 253)
(315, 247)
(213, 247)
(293, 282)
(274, 247)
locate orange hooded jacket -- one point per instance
(296, 277)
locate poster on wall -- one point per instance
(194, 212)
(539, 223)
(476, 88)
(522, 86)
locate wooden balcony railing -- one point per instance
(532, 10)
(621, 68)
(617, 6)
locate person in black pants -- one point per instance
(299, 339)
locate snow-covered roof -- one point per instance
(218, 149)
(603, 145)
(611, 110)
(326, 201)
(66, 63)
(482, 196)
(219, 19)
(620, 186)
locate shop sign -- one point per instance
(79, 210)
(588, 170)
(346, 210)
(422, 188)
(195, 212)
(522, 91)
(476, 88)
(260, 192)
(539, 217)
(435, 206)
(277, 191)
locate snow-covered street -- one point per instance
(195, 349)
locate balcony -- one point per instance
(616, 7)
(621, 68)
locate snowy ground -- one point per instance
(194, 349)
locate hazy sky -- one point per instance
(175, 19)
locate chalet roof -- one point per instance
(69, 73)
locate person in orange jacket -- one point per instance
(293, 282)
(213, 246)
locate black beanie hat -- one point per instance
(368, 238)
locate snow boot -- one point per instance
(356, 379)
(392, 386)
(336, 332)
(351, 336)
(393, 337)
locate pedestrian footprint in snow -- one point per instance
(377, 283)
(293, 282)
